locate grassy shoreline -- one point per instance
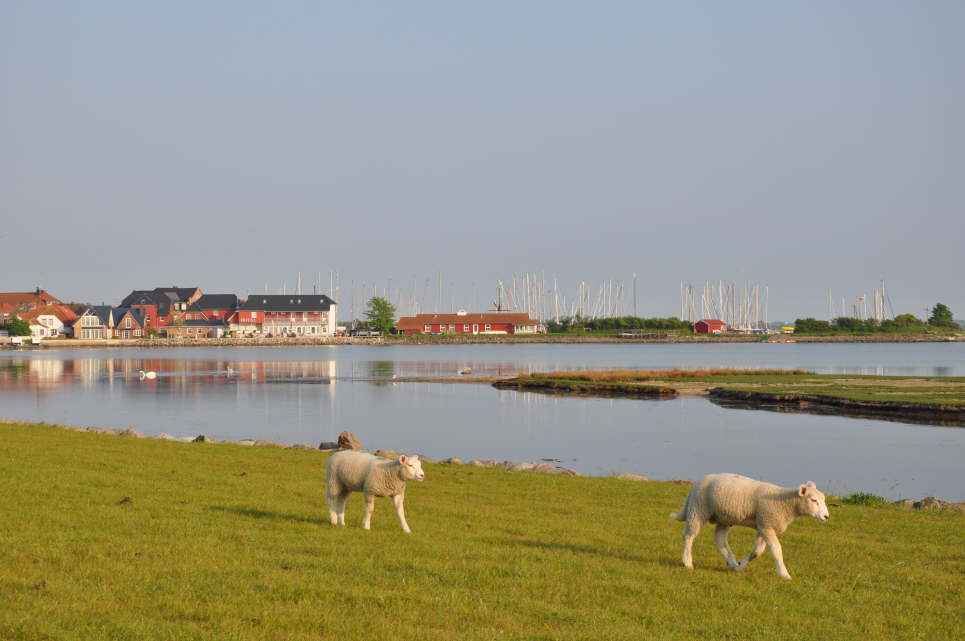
(221, 541)
(930, 399)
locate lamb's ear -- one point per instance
(403, 458)
(802, 490)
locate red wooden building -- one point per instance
(465, 323)
(709, 326)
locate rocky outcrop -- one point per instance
(931, 503)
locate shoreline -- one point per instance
(545, 466)
(415, 339)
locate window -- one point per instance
(428, 328)
(127, 322)
(137, 332)
(465, 328)
(452, 327)
(488, 327)
(254, 314)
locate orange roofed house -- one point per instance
(466, 323)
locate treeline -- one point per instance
(620, 322)
(903, 323)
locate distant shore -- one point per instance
(459, 339)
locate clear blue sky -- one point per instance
(805, 146)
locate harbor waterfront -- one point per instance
(309, 394)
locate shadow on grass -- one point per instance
(581, 549)
(265, 514)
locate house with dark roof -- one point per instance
(127, 322)
(162, 305)
(212, 307)
(285, 315)
(93, 322)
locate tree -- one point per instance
(941, 316)
(907, 320)
(381, 314)
(16, 327)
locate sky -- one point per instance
(231, 145)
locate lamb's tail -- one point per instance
(682, 514)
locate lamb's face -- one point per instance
(411, 468)
(813, 500)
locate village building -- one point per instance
(466, 323)
(195, 328)
(273, 315)
(27, 301)
(93, 322)
(162, 305)
(709, 326)
(50, 321)
(212, 307)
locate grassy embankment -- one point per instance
(223, 541)
(921, 390)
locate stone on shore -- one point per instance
(452, 460)
(931, 503)
(164, 436)
(247, 441)
(632, 477)
(201, 438)
(348, 441)
(130, 433)
(328, 445)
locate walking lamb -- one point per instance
(730, 499)
(354, 471)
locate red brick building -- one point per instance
(162, 305)
(465, 323)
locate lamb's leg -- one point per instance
(398, 500)
(720, 536)
(771, 537)
(691, 530)
(332, 496)
(369, 507)
(340, 506)
(756, 552)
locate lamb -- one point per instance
(354, 471)
(730, 499)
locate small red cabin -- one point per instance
(709, 326)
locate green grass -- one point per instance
(228, 542)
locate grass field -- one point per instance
(222, 541)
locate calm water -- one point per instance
(310, 394)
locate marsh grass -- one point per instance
(633, 375)
(222, 541)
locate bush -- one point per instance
(864, 498)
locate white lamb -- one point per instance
(353, 471)
(730, 499)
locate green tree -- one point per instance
(941, 316)
(380, 314)
(16, 327)
(907, 320)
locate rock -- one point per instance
(929, 503)
(681, 482)
(328, 445)
(486, 463)
(247, 441)
(164, 436)
(201, 438)
(348, 441)
(426, 459)
(130, 433)
(632, 477)
(387, 454)
(263, 443)
(452, 460)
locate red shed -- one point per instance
(709, 326)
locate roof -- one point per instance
(159, 296)
(288, 303)
(215, 301)
(32, 299)
(711, 321)
(119, 312)
(61, 312)
(420, 320)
